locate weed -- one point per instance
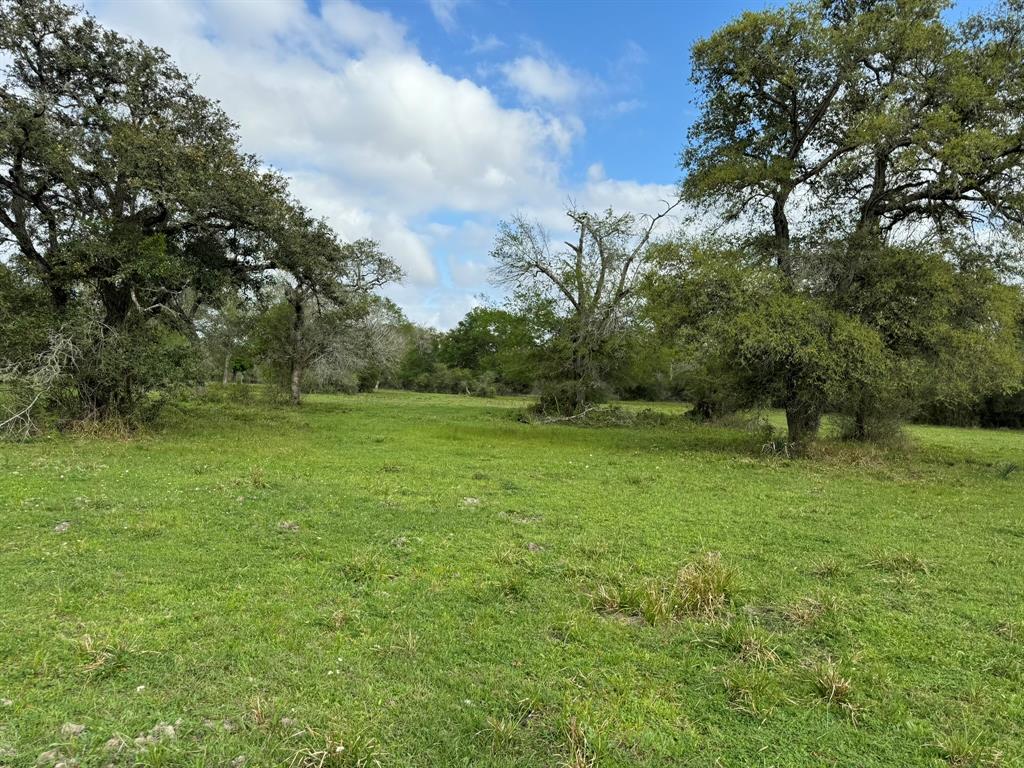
(750, 643)
(106, 657)
(834, 688)
(578, 752)
(809, 611)
(827, 568)
(702, 589)
(258, 478)
(1006, 630)
(364, 568)
(963, 749)
(899, 563)
(747, 692)
(328, 752)
(1004, 470)
(502, 730)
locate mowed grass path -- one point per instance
(411, 577)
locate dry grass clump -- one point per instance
(748, 692)
(328, 752)
(578, 752)
(900, 563)
(702, 589)
(834, 688)
(964, 750)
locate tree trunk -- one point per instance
(296, 384)
(298, 324)
(803, 424)
(780, 224)
(227, 369)
(860, 423)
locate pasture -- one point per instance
(422, 580)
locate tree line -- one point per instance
(846, 239)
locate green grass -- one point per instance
(417, 580)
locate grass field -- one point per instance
(421, 580)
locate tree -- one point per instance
(365, 352)
(494, 341)
(123, 193)
(586, 291)
(379, 343)
(834, 129)
(326, 290)
(225, 329)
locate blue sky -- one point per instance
(422, 123)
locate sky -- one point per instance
(422, 123)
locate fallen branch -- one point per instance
(556, 419)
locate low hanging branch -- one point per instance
(31, 385)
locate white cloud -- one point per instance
(379, 140)
(486, 44)
(540, 80)
(444, 12)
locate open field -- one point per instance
(424, 581)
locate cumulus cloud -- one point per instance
(543, 81)
(378, 140)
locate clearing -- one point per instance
(421, 580)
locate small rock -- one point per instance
(534, 547)
(62, 527)
(114, 744)
(400, 542)
(239, 761)
(140, 688)
(164, 731)
(49, 757)
(159, 732)
(6, 703)
(469, 501)
(287, 525)
(71, 730)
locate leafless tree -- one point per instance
(588, 283)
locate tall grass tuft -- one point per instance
(703, 589)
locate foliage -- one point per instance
(496, 341)
(125, 197)
(868, 147)
(581, 296)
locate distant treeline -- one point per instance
(848, 238)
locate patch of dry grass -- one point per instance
(702, 589)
